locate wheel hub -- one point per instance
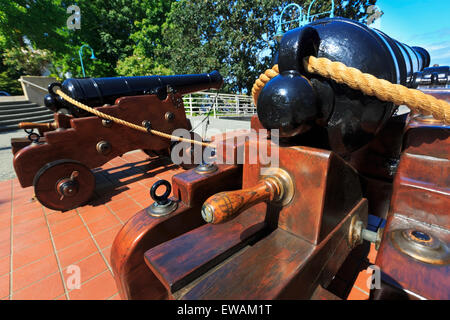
(64, 184)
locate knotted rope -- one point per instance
(370, 85)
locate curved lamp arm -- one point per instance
(80, 53)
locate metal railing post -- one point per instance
(215, 105)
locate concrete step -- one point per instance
(44, 118)
(22, 111)
(22, 105)
(19, 116)
(18, 109)
(8, 100)
(10, 103)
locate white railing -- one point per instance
(33, 84)
(218, 104)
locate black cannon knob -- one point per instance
(287, 103)
(50, 102)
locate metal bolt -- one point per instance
(147, 124)
(374, 237)
(206, 168)
(103, 147)
(422, 236)
(107, 123)
(169, 116)
(358, 233)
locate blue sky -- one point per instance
(424, 23)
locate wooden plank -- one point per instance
(179, 261)
(279, 266)
(261, 272)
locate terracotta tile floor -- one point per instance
(38, 246)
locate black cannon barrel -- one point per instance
(296, 102)
(97, 92)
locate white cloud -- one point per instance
(436, 42)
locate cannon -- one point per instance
(97, 92)
(284, 228)
(59, 160)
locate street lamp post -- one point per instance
(80, 53)
(302, 19)
(310, 17)
(279, 33)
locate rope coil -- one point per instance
(370, 85)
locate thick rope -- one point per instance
(369, 85)
(128, 124)
(263, 79)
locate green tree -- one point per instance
(22, 20)
(21, 61)
(147, 40)
(40, 21)
(116, 30)
(8, 81)
(138, 37)
(113, 28)
(27, 61)
(234, 37)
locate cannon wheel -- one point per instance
(63, 184)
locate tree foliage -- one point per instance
(40, 21)
(140, 37)
(233, 36)
(114, 29)
(147, 41)
(27, 61)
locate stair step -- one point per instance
(7, 103)
(20, 116)
(47, 117)
(19, 106)
(23, 110)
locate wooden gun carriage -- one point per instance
(58, 164)
(283, 232)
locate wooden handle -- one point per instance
(34, 125)
(225, 206)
